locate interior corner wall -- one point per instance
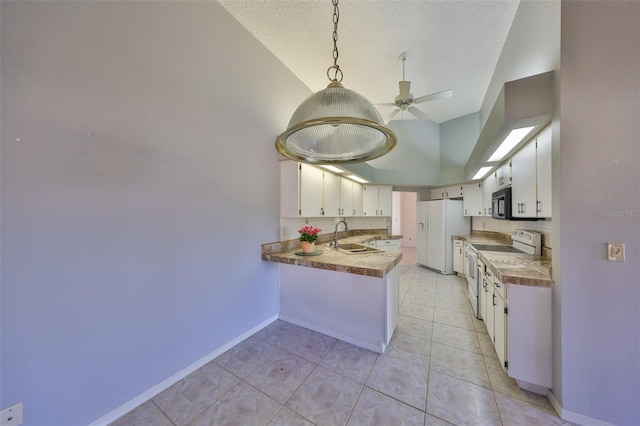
(599, 191)
(139, 178)
(457, 139)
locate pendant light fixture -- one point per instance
(335, 125)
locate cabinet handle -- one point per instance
(494, 299)
(538, 209)
(322, 211)
(354, 212)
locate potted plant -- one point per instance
(308, 238)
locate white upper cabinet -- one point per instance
(331, 194)
(451, 191)
(523, 182)
(311, 183)
(357, 199)
(543, 173)
(531, 169)
(385, 200)
(350, 198)
(503, 176)
(308, 191)
(472, 199)
(488, 188)
(377, 200)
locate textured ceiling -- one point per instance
(451, 44)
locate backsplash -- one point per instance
(289, 226)
(506, 226)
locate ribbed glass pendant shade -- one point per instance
(335, 125)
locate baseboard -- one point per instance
(572, 417)
(168, 382)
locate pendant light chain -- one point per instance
(335, 67)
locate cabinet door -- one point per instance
(472, 201)
(500, 330)
(490, 308)
(438, 193)
(523, 182)
(346, 197)
(484, 288)
(503, 176)
(370, 200)
(311, 182)
(458, 256)
(543, 173)
(455, 191)
(488, 188)
(384, 200)
(331, 194)
(356, 199)
(289, 189)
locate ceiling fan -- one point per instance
(405, 100)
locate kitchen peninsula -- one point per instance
(352, 297)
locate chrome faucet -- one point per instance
(335, 234)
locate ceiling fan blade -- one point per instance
(386, 104)
(391, 116)
(434, 96)
(415, 111)
(404, 89)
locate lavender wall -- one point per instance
(597, 366)
(139, 178)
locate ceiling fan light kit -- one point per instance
(335, 125)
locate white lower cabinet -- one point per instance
(458, 256)
(388, 245)
(518, 320)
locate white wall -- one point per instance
(597, 363)
(139, 178)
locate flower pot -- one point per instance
(307, 247)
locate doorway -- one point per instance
(403, 222)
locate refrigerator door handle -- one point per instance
(426, 221)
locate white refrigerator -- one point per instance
(438, 220)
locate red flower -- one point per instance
(309, 233)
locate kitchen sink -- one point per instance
(353, 248)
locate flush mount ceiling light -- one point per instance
(481, 172)
(333, 169)
(335, 125)
(513, 138)
(357, 179)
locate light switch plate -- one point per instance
(615, 252)
(11, 416)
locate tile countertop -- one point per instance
(376, 264)
(511, 268)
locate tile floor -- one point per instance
(440, 368)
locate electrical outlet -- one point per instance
(11, 416)
(615, 252)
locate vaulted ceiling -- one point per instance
(469, 46)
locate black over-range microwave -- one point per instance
(501, 204)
